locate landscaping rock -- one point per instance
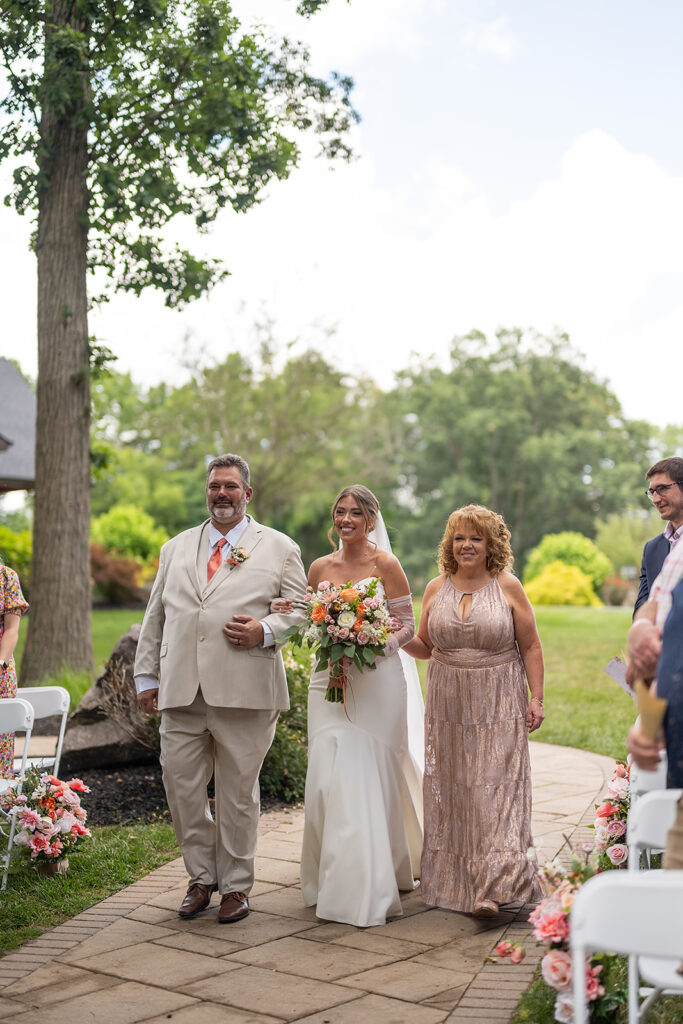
(107, 730)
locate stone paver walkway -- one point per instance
(131, 959)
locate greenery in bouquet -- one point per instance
(344, 624)
(50, 821)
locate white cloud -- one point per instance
(595, 250)
(342, 32)
(493, 37)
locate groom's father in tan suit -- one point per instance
(208, 662)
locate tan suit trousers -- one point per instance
(200, 740)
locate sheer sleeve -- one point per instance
(400, 608)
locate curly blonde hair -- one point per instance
(367, 502)
(490, 525)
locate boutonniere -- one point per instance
(237, 556)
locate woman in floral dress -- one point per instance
(12, 607)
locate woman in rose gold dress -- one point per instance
(478, 630)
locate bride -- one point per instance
(363, 824)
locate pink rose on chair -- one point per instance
(29, 819)
(550, 922)
(38, 843)
(618, 853)
(593, 987)
(564, 1008)
(616, 828)
(556, 968)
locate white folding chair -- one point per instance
(649, 822)
(643, 782)
(648, 826)
(16, 715)
(630, 913)
(47, 701)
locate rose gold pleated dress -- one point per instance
(477, 783)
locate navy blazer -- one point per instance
(654, 553)
(670, 686)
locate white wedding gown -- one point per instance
(363, 823)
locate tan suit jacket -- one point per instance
(181, 641)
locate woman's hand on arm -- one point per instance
(421, 646)
(529, 643)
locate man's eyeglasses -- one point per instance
(661, 490)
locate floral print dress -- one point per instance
(11, 603)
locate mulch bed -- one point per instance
(132, 794)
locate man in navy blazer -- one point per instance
(666, 493)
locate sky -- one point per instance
(518, 163)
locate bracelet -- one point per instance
(539, 700)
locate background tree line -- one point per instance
(514, 422)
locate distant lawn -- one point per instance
(107, 626)
(584, 707)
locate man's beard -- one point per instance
(225, 513)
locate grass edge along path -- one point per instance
(116, 856)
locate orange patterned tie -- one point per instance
(216, 559)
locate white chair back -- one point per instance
(47, 701)
(628, 913)
(649, 823)
(16, 715)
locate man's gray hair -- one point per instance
(230, 460)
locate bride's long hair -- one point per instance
(367, 502)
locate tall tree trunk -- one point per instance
(59, 623)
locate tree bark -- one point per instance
(59, 632)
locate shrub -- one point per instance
(118, 580)
(559, 583)
(617, 591)
(571, 549)
(283, 773)
(128, 531)
(16, 550)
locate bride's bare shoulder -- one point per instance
(319, 569)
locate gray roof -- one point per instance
(17, 430)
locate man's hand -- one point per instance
(243, 631)
(147, 702)
(644, 645)
(644, 751)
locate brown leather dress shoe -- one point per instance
(234, 906)
(197, 898)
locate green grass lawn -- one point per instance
(115, 857)
(107, 626)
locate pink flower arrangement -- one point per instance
(551, 919)
(610, 820)
(50, 819)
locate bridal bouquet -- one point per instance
(343, 622)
